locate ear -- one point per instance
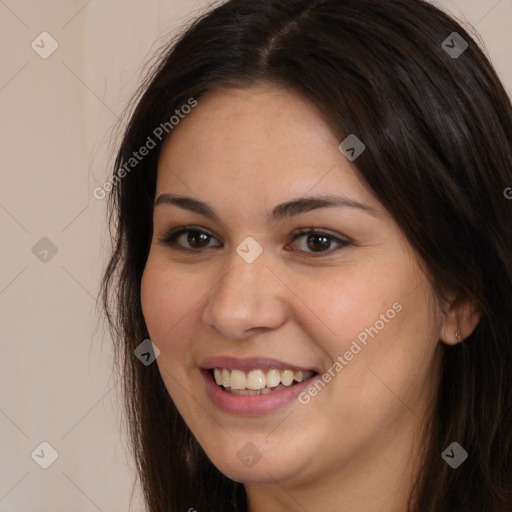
(460, 320)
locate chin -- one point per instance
(253, 465)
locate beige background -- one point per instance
(57, 117)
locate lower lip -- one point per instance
(251, 405)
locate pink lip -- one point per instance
(255, 405)
(250, 363)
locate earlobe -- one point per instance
(459, 322)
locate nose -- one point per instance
(249, 299)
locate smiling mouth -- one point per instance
(258, 382)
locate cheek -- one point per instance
(346, 307)
(165, 304)
(165, 299)
(376, 319)
(389, 353)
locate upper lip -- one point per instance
(247, 364)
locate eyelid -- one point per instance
(319, 231)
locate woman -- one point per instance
(311, 228)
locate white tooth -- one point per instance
(217, 372)
(244, 392)
(238, 379)
(264, 391)
(226, 378)
(287, 377)
(298, 376)
(307, 375)
(255, 380)
(273, 378)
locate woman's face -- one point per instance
(245, 292)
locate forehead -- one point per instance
(255, 145)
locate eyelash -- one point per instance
(170, 238)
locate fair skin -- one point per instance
(356, 445)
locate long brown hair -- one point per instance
(437, 126)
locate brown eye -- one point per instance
(187, 238)
(318, 242)
(197, 239)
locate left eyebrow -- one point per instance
(282, 211)
(303, 205)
